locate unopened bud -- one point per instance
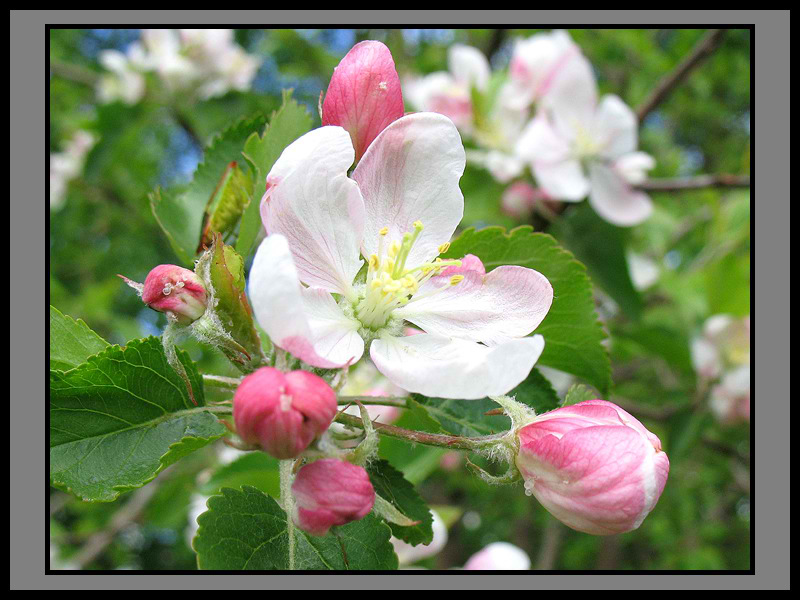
(593, 466)
(282, 412)
(175, 291)
(331, 492)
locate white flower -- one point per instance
(577, 147)
(499, 556)
(398, 211)
(67, 165)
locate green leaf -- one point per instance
(578, 393)
(728, 285)
(390, 484)
(121, 417)
(667, 342)
(571, 331)
(468, 417)
(256, 469)
(247, 530)
(71, 341)
(285, 125)
(601, 247)
(180, 213)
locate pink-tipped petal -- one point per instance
(311, 201)
(364, 95)
(507, 303)
(614, 199)
(286, 311)
(410, 173)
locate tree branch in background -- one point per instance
(126, 515)
(551, 544)
(677, 184)
(707, 44)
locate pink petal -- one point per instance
(364, 95)
(614, 199)
(507, 303)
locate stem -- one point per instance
(452, 442)
(692, 183)
(707, 44)
(228, 383)
(287, 502)
(374, 400)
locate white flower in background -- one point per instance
(122, 82)
(578, 147)
(450, 92)
(723, 352)
(644, 271)
(67, 165)
(408, 554)
(546, 66)
(398, 211)
(205, 61)
(499, 556)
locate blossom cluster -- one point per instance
(722, 354)
(543, 114)
(205, 62)
(67, 165)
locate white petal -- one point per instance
(507, 303)
(311, 201)
(451, 368)
(302, 322)
(634, 165)
(614, 200)
(410, 173)
(615, 127)
(468, 65)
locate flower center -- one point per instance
(585, 146)
(391, 285)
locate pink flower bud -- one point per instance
(175, 291)
(282, 412)
(593, 466)
(364, 95)
(331, 492)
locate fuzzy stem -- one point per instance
(287, 502)
(228, 383)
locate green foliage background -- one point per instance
(699, 239)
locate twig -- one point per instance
(498, 36)
(373, 400)
(707, 44)
(453, 442)
(692, 183)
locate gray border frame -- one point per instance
(28, 328)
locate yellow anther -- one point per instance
(384, 231)
(456, 279)
(417, 224)
(374, 262)
(444, 247)
(394, 249)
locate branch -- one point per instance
(677, 184)
(707, 44)
(126, 515)
(453, 442)
(498, 36)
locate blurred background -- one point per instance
(114, 138)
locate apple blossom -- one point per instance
(577, 147)
(593, 466)
(730, 399)
(408, 554)
(330, 492)
(547, 65)
(499, 556)
(449, 92)
(282, 412)
(724, 345)
(175, 291)
(66, 165)
(364, 94)
(398, 210)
